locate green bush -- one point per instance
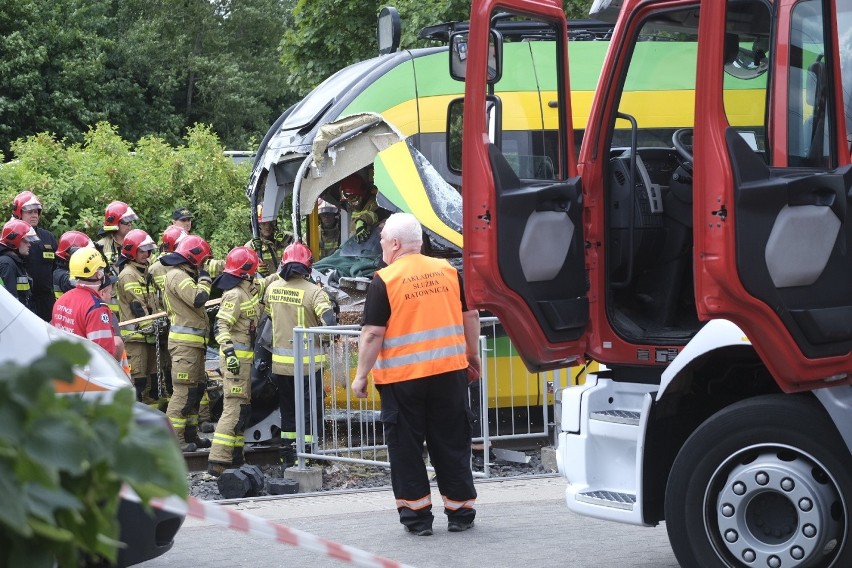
(63, 460)
(75, 182)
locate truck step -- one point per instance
(605, 498)
(630, 417)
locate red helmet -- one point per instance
(241, 262)
(135, 241)
(71, 241)
(118, 212)
(353, 186)
(25, 201)
(15, 232)
(171, 237)
(194, 249)
(297, 252)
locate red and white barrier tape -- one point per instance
(251, 524)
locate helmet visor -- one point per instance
(31, 207)
(31, 237)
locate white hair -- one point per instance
(406, 229)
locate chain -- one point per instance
(161, 384)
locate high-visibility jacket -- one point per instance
(110, 249)
(184, 297)
(14, 276)
(297, 302)
(62, 281)
(157, 280)
(238, 317)
(135, 299)
(82, 312)
(425, 333)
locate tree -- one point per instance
(327, 36)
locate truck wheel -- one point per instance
(766, 482)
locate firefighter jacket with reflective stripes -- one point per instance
(135, 299)
(82, 312)
(157, 277)
(62, 281)
(41, 261)
(297, 302)
(238, 317)
(182, 293)
(110, 249)
(14, 276)
(425, 333)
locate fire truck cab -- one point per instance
(706, 262)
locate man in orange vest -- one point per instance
(418, 337)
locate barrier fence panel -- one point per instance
(508, 401)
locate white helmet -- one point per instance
(324, 206)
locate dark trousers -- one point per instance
(434, 409)
(287, 405)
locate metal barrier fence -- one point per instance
(513, 403)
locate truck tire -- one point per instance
(764, 482)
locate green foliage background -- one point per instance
(63, 460)
(75, 182)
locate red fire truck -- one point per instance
(706, 262)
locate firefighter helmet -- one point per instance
(25, 201)
(15, 232)
(241, 262)
(70, 241)
(324, 206)
(194, 249)
(171, 237)
(118, 212)
(135, 241)
(353, 188)
(85, 264)
(297, 252)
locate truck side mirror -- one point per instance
(458, 56)
(455, 117)
(388, 30)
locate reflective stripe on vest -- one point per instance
(186, 333)
(23, 283)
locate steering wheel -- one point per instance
(682, 140)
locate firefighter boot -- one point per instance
(287, 456)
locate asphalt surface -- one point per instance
(519, 522)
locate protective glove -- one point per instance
(362, 231)
(262, 269)
(231, 361)
(203, 275)
(256, 244)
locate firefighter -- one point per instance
(69, 242)
(418, 338)
(295, 301)
(118, 221)
(41, 259)
(157, 280)
(16, 239)
(235, 329)
(360, 199)
(329, 227)
(185, 291)
(82, 310)
(136, 300)
(269, 244)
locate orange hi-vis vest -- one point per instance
(425, 334)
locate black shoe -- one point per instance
(216, 469)
(188, 448)
(420, 532)
(453, 526)
(202, 442)
(207, 427)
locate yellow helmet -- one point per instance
(85, 263)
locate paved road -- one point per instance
(518, 523)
